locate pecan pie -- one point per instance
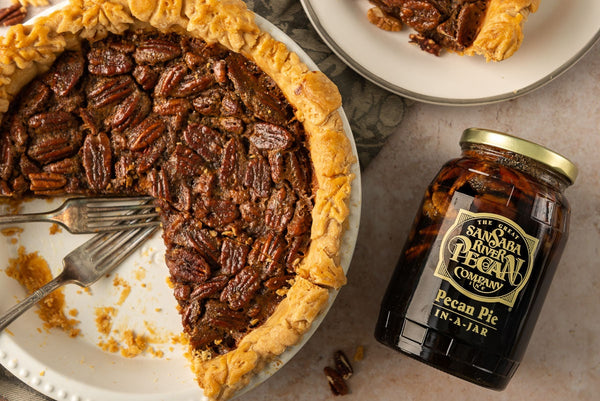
(492, 28)
(241, 145)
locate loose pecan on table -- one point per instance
(12, 15)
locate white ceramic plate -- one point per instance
(556, 36)
(77, 369)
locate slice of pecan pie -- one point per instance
(241, 145)
(492, 28)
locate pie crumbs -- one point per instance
(104, 317)
(55, 229)
(32, 272)
(119, 282)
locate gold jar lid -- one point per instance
(555, 161)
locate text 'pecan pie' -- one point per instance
(241, 145)
(492, 28)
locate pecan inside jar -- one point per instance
(200, 128)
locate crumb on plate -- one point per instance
(32, 272)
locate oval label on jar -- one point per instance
(486, 257)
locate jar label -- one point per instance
(486, 257)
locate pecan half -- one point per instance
(421, 15)
(206, 244)
(241, 289)
(154, 51)
(220, 316)
(255, 95)
(276, 162)
(205, 141)
(12, 15)
(108, 61)
(280, 209)
(146, 133)
(50, 148)
(96, 158)
(184, 162)
(271, 137)
(7, 159)
(159, 185)
(220, 212)
(380, 19)
(191, 313)
(65, 166)
(336, 382)
(233, 256)
(106, 91)
(267, 248)
(35, 98)
(209, 288)
(130, 112)
(258, 177)
(148, 157)
(42, 182)
(298, 171)
(342, 364)
(170, 79)
(172, 107)
(187, 265)
(302, 219)
(192, 84)
(51, 121)
(229, 172)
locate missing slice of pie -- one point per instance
(492, 28)
(240, 143)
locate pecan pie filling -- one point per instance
(201, 129)
(440, 24)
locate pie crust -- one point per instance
(501, 31)
(30, 50)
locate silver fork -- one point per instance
(86, 264)
(90, 215)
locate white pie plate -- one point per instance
(556, 36)
(77, 369)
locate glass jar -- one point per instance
(475, 270)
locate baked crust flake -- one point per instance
(28, 51)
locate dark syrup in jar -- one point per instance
(473, 275)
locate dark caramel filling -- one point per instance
(201, 129)
(449, 24)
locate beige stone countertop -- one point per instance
(562, 361)
(563, 358)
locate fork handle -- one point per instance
(31, 300)
(25, 218)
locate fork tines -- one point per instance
(101, 215)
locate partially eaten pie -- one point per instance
(241, 145)
(492, 28)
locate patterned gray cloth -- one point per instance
(373, 114)
(12, 389)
